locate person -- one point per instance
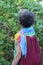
(26, 44)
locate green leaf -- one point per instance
(1, 42)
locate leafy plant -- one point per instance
(9, 25)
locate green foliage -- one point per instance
(9, 25)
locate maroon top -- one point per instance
(33, 56)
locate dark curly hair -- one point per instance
(26, 18)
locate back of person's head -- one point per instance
(26, 18)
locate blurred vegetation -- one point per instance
(9, 25)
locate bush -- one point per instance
(9, 25)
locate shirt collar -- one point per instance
(28, 30)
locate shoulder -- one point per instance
(17, 35)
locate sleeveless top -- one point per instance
(31, 51)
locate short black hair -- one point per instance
(26, 18)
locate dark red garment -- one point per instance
(33, 56)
